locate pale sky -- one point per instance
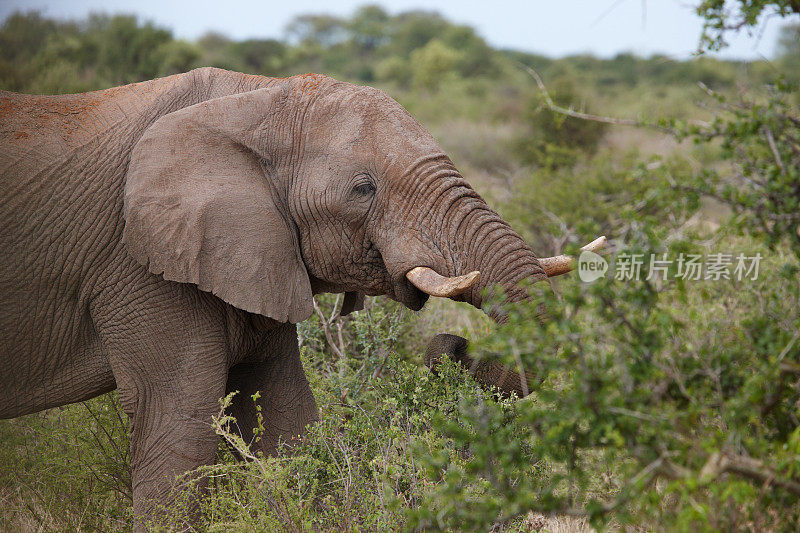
(600, 27)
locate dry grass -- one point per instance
(556, 524)
(23, 514)
(483, 146)
(624, 139)
(19, 515)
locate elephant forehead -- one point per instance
(363, 117)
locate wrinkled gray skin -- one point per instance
(164, 237)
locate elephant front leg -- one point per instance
(171, 435)
(170, 367)
(285, 399)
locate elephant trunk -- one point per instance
(503, 259)
(480, 251)
(478, 240)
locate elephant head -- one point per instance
(310, 185)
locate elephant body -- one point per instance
(135, 257)
(80, 317)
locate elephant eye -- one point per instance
(364, 188)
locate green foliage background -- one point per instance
(664, 404)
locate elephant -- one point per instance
(164, 238)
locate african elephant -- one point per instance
(164, 238)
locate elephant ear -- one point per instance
(201, 207)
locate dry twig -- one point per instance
(722, 462)
(327, 327)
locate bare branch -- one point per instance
(570, 112)
(721, 462)
(326, 328)
(774, 148)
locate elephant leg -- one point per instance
(170, 366)
(171, 434)
(284, 396)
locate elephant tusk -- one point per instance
(431, 282)
(561, 264)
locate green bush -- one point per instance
(431, 63)
(659, 408)
(66, 469)
(555, 141)
(668, 402)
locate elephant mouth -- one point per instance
(408, 295)
(397, 287)
(431, 282)
(418, 284)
